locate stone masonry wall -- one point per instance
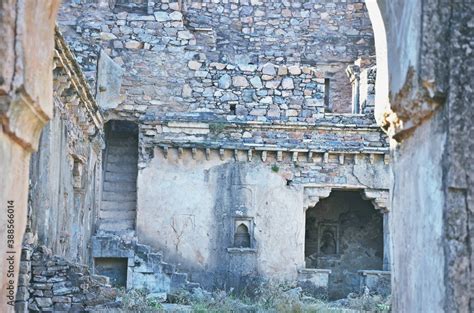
(182, 57)
(49, 283)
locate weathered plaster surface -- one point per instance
(191, 215)
(417, 219)
(26, 52)
(431, 97)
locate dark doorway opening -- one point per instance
(114, 268)
(344, 233)
(119, 192)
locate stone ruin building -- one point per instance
(220, 144)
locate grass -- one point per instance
(266, 299)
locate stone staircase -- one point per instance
(146, 268)
(119, 192)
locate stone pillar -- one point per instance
(353, 72)
(387, 243)
(380, 198)
(26, 59)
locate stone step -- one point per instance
(119, 157)
(168, 268)
(116, 226)
(118, 140)
(117, 167)
(120, 177)
(117, 215)
(119, 196)
(121, 167)
(108, 205)
(178, 280)
(131, 150)
(190, 286)
(109, 186)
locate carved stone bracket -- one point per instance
(312, 195)
(379, 198)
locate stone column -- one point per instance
(26, 58)
(387, 242)
(353, 72)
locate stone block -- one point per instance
(133, 44)
(269, 69)
(287, 83)
(44, 302)
(194, 65)
(376, 281)
(314, 281)
(256, 82)
(294, 70)
(240, 81)
(185, 34)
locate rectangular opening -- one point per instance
(326, 94)
(114, 268)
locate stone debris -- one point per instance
(49, 283)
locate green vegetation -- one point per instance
(216, 128)
(266, 299)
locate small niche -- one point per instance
(242, 237)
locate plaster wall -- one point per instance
(26, 53)
(63, 201)
(417, 218)
(429, 120)
(190, 214)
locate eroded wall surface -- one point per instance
(184, 55)
(431, 109)
(202, 192)
(26, 50)
(66, 171)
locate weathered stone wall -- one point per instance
(230, 173)
(429, 119)
(177, 55)
(51, 283)
(66, 172)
